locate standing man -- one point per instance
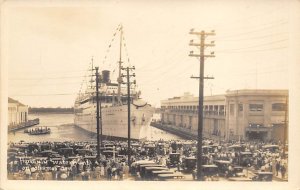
(109, 173)
(283, 170)
(277, 167)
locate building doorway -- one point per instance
(257, 135)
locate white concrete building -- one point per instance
(238, 114)
(17, 112)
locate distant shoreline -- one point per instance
(57, 110)
(54, 112)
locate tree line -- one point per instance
(50, 110)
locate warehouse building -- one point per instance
(238, 114)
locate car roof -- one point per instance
(209, 166)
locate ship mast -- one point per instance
(120, 66)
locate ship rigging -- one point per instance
(113, 105)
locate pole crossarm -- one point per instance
(204, 77)
(197, 55)
(212, 33)
(198, 44)
(130, 68)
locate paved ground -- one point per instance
(187, 177)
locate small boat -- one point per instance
(39, 131)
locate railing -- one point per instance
(205, 112)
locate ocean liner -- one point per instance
(114, 109)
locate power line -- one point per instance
(45, 78)
(257, 50)
(61, 94)
(254, 38)
(36, 85)
(263, 28)
(255, 46)
(251, 17)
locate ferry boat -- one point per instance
(114, 108)
(38, 131)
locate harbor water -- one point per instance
(63, 129)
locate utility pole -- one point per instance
(97, 100)
(201, 46)
(128, 104)
(100, 119)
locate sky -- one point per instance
(49, 46)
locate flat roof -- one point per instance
(189, 98)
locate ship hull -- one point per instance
(115, 121)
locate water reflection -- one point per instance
(62, 129)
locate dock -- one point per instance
(183, 132)
(23, 125)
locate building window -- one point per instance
(256, 107)
(222, 110)
(181, 120)
(174, 119)
(240, 107)
(190, 122)
(231, 109)
(216, 109)
(278, 107)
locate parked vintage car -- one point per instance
(263, 176)
(174, 159)
(209, 172)
(135, 166)
(170, 177)
(157, 172)
(246, 159)
(223, 167)
(148, 171)
(188, 164)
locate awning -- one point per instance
(258, 129)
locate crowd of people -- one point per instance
(78, 160)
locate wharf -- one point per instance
(173, 130)
(24, 125)
(183, 132)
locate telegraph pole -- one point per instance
(202, 46)
(100, 119)
(128, 104)
(97, 100)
